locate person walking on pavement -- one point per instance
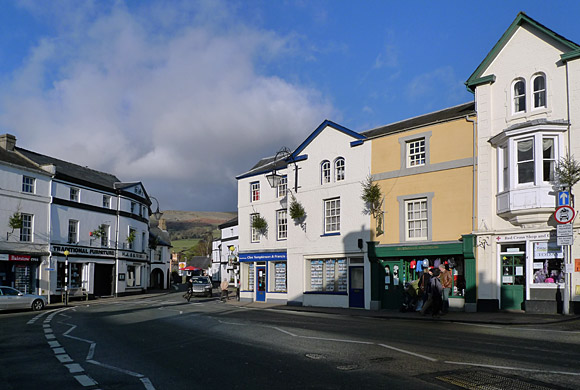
(446, 281)
(225, 293)
(435, 290)
(423, 288)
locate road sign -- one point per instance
(565, 240)
(563, 198)
(564, 230)
(564, 214)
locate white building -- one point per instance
(225, 253)
(160, 257)
(24, 192)
(100, 222)
(321, 259)
(527, 94)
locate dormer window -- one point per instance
(519, 96)
(325, 172)
(539, 83)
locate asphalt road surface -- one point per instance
(162, 342)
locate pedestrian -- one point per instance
(446, 282)
(225, 293)
(423, 288)
(434, 294)
(238, 285)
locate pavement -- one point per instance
(495, 318)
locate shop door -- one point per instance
(513, 281)
(261, 284)
(356, 287)
(393, 285)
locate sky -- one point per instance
(186, 95)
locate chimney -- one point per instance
(7, 142)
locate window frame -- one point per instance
(254, 191)
(28, 184)
(132, 244)
(403, 201)
(27, 229)
(325, 172)
(422, 220)
(75, 194)
(540, 92)
(282, 189)
(517, 97)
(106, 202)
(105, 235)
(330, 212)
(339, 169)
(282, 224)
(254, 233)
(419, 155)
(520, 163)
(73, 231)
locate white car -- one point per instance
(12, 299)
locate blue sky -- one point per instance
(185, 95)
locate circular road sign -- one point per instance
(564, 214)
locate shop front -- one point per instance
(392, 266)
(21, 271)
(531, 272)
(263, 277)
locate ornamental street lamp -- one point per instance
(66, 253)
(274, 178)
(157, 214)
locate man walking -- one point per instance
(446, 280)
(225, 293)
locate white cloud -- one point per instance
(174, 101)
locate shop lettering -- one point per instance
(83, 250)
(19, 258)
(262, 256)
(133, 255)
(523, 237)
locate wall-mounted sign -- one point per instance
(121, 277)
(523, 237)
(19, 258)
(262, 256)
(564, 214)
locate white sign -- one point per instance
(564, 214)
(564, 230)
(538, 265)
(548, 250)
(569, 268)
(565, 240)
(4, 256)
(523, 237)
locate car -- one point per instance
(12, 299)
(202, 285)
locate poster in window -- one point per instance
(330, 275)
(251, 278)
(342, 275)
(316, 275)
(280, 277)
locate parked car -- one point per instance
(12, 299)
(202, 285)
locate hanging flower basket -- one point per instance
(15, 221)
(297, 212)
(259, 223)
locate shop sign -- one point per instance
(3, 256)
(548, 250)
(19, 258)
(79, 250)
(262, 256)
(134, 255)
(523, 237)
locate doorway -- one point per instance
(356, 287)
(261, 284)
(393, 286)
(103, 280)
(513, 277)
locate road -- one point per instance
(162, 342)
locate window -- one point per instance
(277, 276)
(283, 187)
(539, 83)
(255, 232)
(525, 161)
(332, 216)
(28, 184)
(74, 275)
(519, 96)
(328, 275)
(339, 169)
(416, 153)
(143, 243)
(504, 169)
(548, 263)
(282, 224)
(73, 231)
(133, 206)
(74, 194)
(105, 236)
(131, 238)
(26, 230)
(255, 191)
(133, 276)
(549, 159)
(325, 172)
(106, 202)
(416, 219)
(140, 210)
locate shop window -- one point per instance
(282, 224)
(326, 275)
(255, 191)
(26, 229)
(133, 276)
(247, 274)
(28, 184)
(548, 264)
(339, 168)
(332, 216)
(282, 187)
(74, 275)
(277, 277)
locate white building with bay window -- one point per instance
(527, 94)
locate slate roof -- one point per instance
(162, 236)
(266, 164)
(202, 262)
(231, 222)
(444, 115)
(73, 172)
(16, 159)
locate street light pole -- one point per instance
(66, 253)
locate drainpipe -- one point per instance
(568, 254)
(474, 172)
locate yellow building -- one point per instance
(426, 169)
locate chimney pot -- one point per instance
(7, 142)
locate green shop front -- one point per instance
(394, 265)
